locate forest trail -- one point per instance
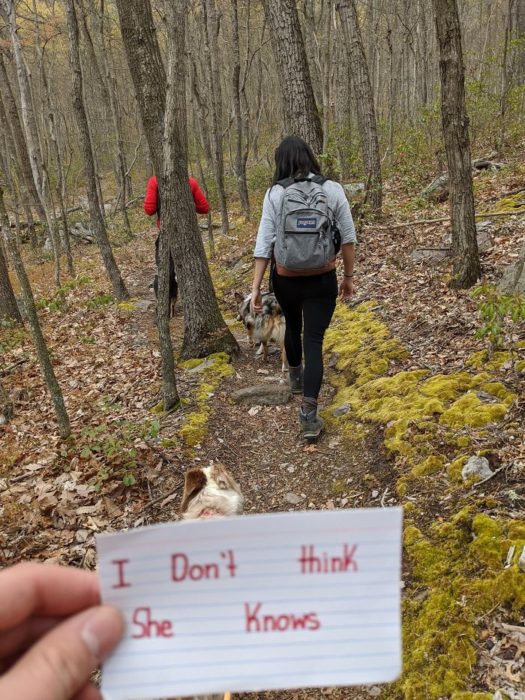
(263, 448)
(125, 465)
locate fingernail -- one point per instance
(102, 631)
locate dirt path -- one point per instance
(266, 453)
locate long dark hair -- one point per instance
(294, 158)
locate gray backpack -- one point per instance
(307, 237)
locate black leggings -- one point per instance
(312, 299)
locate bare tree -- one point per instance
(213, 76)
(34, 324)
(204, 327)
(364, 101)
(10, 121)
(467, 269)
(8, 306)
(240, 136)
(300, 110)
(53, 137)
(97, 221)
(7, 11)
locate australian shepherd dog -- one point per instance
(267, 327)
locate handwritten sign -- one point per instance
(282, 600)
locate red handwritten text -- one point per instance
(121, 583)
(322, 563)
(147, 627)
(182, 569)
(257, 622)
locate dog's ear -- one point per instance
(223, 478)
(194, 481)
(238, 297)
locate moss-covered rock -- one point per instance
(216, 367)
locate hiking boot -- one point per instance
(295, 379)
(311, 425)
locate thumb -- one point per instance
(60, 664)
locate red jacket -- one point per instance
(150, 200)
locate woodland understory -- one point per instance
(422, 394)
(425, 366)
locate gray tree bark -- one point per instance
(301, 116)
(240, 160)
(52, 133)
(19, 142)
(213, 75)
(204, 328)
(34, 324)
(467, 269)
(147, 71)
(518, 33)
(8, 306)
(97, 222)
(7, 10)
(364, 100)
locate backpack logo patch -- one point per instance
(306, 222)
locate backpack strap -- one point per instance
(286, 182)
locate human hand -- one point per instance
(53, 632)
(346, 288)
(256, 305)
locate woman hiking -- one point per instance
(305, 219)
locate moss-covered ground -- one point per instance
(456, 563)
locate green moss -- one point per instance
(195, 427)
(471, 696)
(469, 410)
(430, 465)
(514, 202)
(456, 563)
(454, 469)
(488, 361)
(216, 367)
(440, 628)
(127, 306)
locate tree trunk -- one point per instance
(7, 10)
(51, 128)
(240, 162)
(20, 146)
(205, 330)
(467, 268)
(34, 324)
(97, 222)
(211, 51)
(364, 100)
(343, 112)
(301, 117)
(8, 306)
(6, 406)
(110, 98)
(147, 71)
(518, 34)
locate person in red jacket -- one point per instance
(152, 206)
(151, 203)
